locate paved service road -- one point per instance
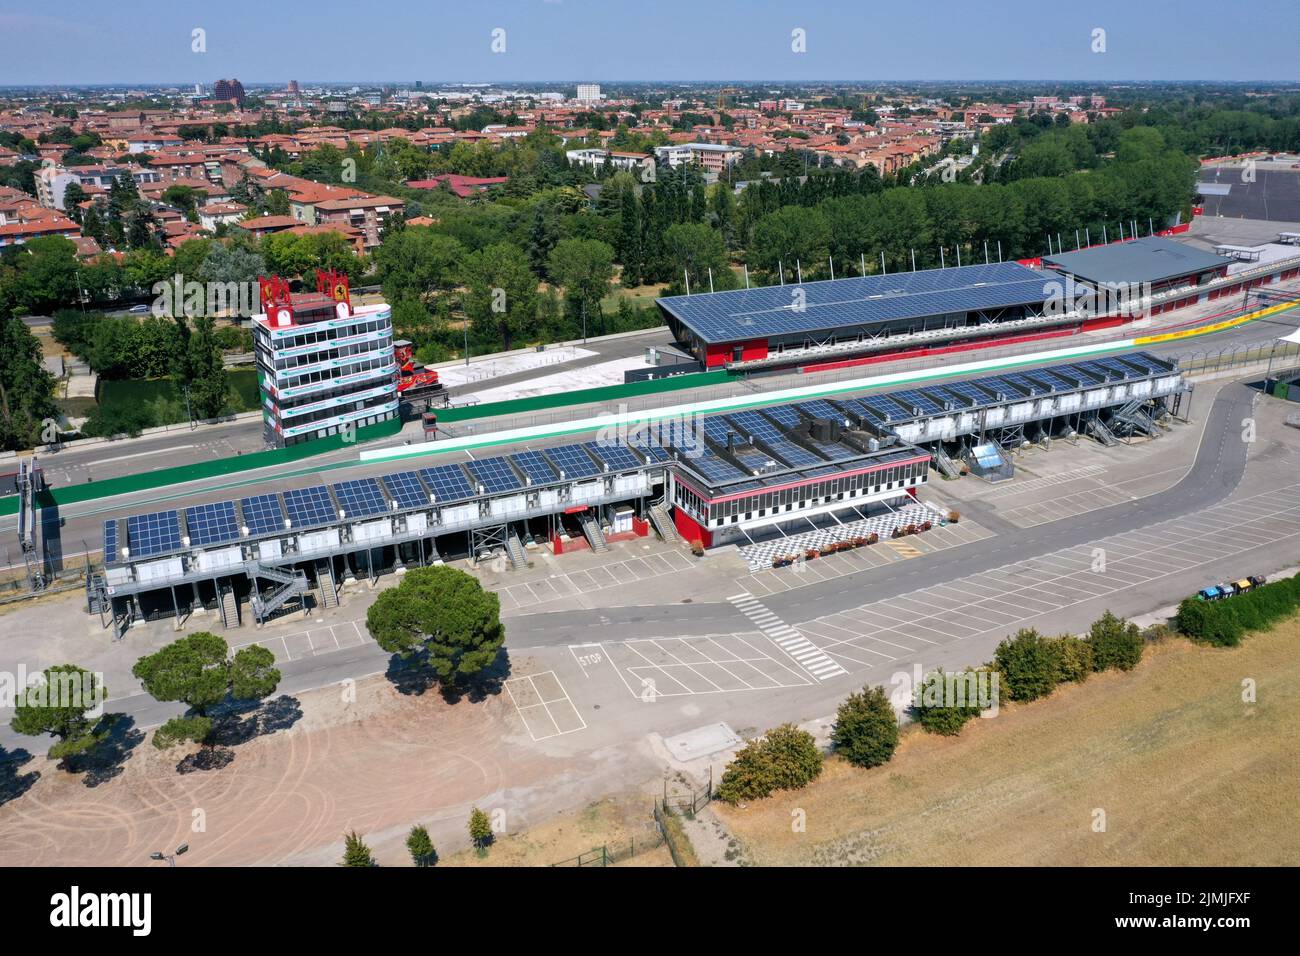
(1218, 468)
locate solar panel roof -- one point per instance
(855, 301)
(535, 466)
(262, 514)
(360, 498)
(573, 461)
(110, 540)
(448, 482)
(155, 533)
(406, 489)
(495, 475)
(650, 447)
(616, 456)
(309, 507)
(212, 524)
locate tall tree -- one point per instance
(67, 703)
(501, 295)
(441, 617)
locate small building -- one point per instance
(1154, 262)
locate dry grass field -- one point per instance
(612, 822)
(1185, 772)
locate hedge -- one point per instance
(1224, 623)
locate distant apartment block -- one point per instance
(588, 92)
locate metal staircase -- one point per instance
(228, 605)
(515, 551)
(1134, 418)
(663, 523)
(325, 583)
(944, 463)
(292, 583)
(1098, 430)
(596, 537)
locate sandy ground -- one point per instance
(1185, 772)
(377, 764)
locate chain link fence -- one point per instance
(1216, 360)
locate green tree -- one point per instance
(1028, 665)
(698, 250)
(443, 617)
(791, 237)
(785, 758)
(866, 728)
(501, 295)
(1114, 643)
(415, 262)
(480, 829)
(61, 705)
(944, 702)
(355, 851)
(209, 387)
(198, 671)
(27, 403)
(420, 846)
(584, 267)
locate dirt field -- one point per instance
(1185, 772)
(376, 765)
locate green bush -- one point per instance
(1223, 623)
(866, 728)
(1074, 657)
(1115, 643)
(1029, 665)
(941, 707)
(785, 758)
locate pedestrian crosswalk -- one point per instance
(804, 652)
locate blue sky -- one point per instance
(129, 41)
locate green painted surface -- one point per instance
(586, 396)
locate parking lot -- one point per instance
(544, 705)
(530, 594)
(322, 639)
(997, 600)
(683, 666)
(832, 566)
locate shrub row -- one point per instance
(1223, 623)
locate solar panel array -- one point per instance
(110, 540)
(495, 475)
(838, 303)
(160, 532)
(360, 498)
(310, 507)
(406, 489)
(262, 514)
(212, 524)
(617, 457)
(448, 482)
(155, 533)
(573, 461)
(535, 466)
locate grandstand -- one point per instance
(727, 477)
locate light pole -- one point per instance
(170, 857)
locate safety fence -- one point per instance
(609, 854)
(1263, 353)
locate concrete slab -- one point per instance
(702, 742)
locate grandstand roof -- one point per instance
(838, 303)
(1153, 259)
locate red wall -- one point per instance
(690, 529)
(719, 354)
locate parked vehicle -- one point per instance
(1217, 592)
